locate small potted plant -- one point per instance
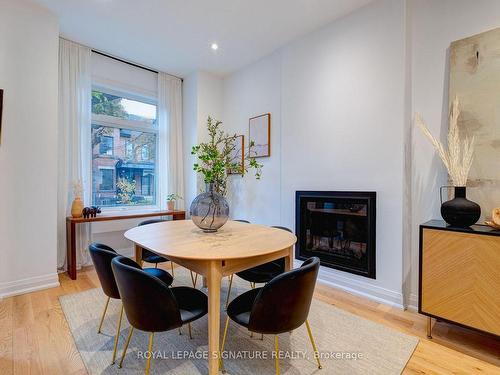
(171, 198)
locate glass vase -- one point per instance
(209, 210)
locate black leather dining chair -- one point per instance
(151, 306)
(262, 273)
(150, 257)
(102, 255)
(282, 305)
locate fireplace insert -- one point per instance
(339, 228)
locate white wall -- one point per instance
(342, 116)
(28, 150)
(337, 102)
(434, 25)
(202, 97)
(190, 135)
(248, 93)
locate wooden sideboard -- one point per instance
(72, 221)
(460, 276)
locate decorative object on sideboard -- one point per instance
(77, 205)
(459, 211)
(495, 219)
(91, 211)
(171, 199)
(457, 158)
(210, 210)
(259, 133)
(474, 68)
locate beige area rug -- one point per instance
(348, 344)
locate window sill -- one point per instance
(118, 210)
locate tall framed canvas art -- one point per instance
(475, 80)
(260, 136)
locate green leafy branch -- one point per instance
(215, 157)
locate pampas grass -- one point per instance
(458, 157)
(77, 189)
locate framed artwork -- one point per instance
(238, 155)
(1, 107)
(475, 79)
(260, 136)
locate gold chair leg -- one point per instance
(150, 353)
(117, 334)
(221, 361)
(316, 354)
(193, 279)
(103, 315)
(172, 267)
(229, 290)
(131, 330)
(190, 335)
(276, 358)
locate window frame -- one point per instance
(134, 125)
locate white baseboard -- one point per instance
(413, 302)
(31, 284)
(358, 287)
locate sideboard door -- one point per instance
(461, 278)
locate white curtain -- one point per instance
(170, 137)
(74, 143)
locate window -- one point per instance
(106, 145)
(129, 149)
(106, 182)
(145, 152)
(124, 144)
(146, 183)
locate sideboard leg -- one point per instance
(429, 327)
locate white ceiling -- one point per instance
(175, 35)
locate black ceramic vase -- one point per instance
(460, 212)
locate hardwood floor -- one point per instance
(35, 338)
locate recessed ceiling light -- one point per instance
(214, 46)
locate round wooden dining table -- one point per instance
(234, 247)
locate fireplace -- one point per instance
(339, 228)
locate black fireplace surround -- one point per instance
(339, 228)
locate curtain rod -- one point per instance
(124, 61)
(121, 60)
(130, 63)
